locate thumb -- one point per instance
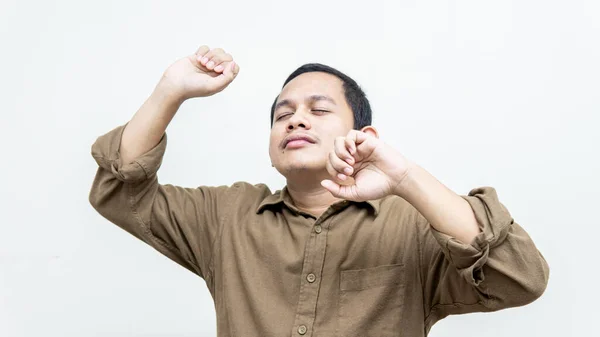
(224, 79)
(230, 72)
(335, 189)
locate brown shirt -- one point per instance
(374, 268)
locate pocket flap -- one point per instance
(371, 277)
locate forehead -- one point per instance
(312, 83)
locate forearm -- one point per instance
(149, 123)
(446, 211)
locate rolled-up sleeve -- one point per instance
(500, 268)
(181, 223)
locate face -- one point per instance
(311, 106)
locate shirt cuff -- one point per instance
(105, 151)
(494, 222)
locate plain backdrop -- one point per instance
(480, 93)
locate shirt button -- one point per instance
(302, 329)
(311, 277)
(318, 229)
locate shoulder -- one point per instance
(250, 190)
(245, 197)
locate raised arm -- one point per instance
(201, 74)
(179, 222)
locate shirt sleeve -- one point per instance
(181, 223)
(500, 268)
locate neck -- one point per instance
(311, 197)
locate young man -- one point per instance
(360, 242)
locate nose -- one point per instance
(299, 120)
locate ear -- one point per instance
(370, 130)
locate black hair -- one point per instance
(355, 97)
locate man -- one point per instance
(360, 242)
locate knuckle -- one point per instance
(217, 58)
(208, 55)
(223, 59)
(217, 52)
(333, 159)
(202, 49)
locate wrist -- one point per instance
(406, 181)
(168, 93)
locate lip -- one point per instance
(297, 141)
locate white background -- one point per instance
(500, 93)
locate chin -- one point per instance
(291, 161)
(301, 165)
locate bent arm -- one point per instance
(181, 223)
(500, 268)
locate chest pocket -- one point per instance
(371, 301)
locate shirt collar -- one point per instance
(283, 197)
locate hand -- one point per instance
(204, 73)
(375, 169)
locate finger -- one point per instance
(340, 146)
(229, 74)
(339, 178)
(357, 137)
(362, 144)
(217, 59)
(207, 56)
(209, 59)
(220, 61)
(198, 55)
(201, 51)
(332, 172)
(342, 169)
(219, 68)
(351, 146)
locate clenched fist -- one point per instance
(204, 73)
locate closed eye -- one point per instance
(290, 113)
(283, 115)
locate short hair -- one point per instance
(355, 97)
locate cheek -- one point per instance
(327, 144)
(274, 149)
(273, 141)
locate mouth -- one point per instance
(297, 141)
(296, 144)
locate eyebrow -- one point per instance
(311, 99)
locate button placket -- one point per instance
(312, 266)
